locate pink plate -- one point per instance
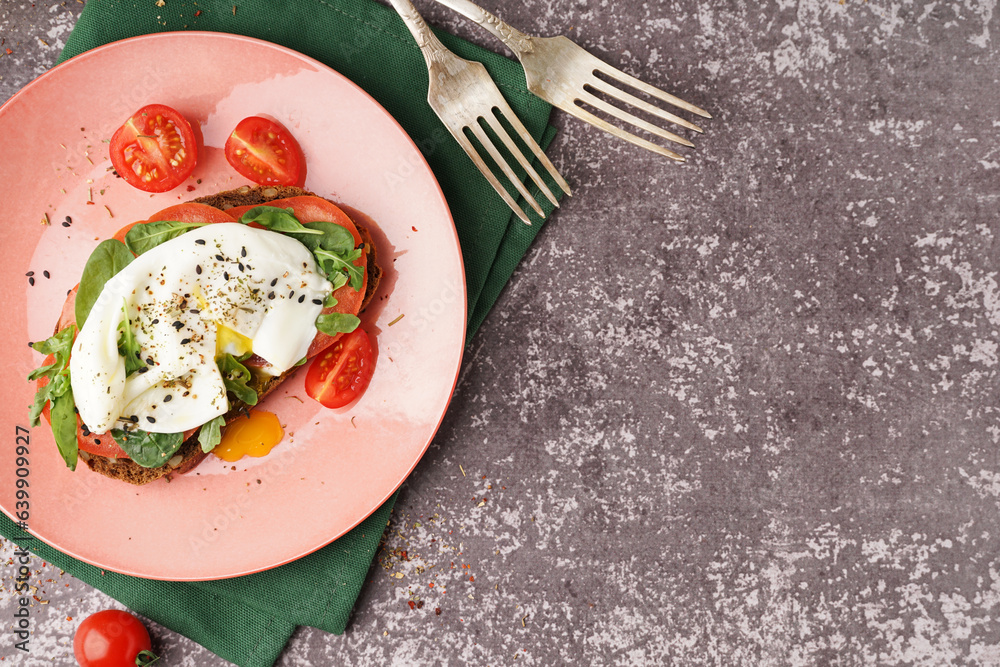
(334, 467)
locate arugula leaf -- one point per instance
(336, 323)
(146, 236)
(64, 425)
(210, 434)
(150, 450)
(334, 263)
(276, 219)
(110, 257)
(236, 378)
(59, 346)
(128, 346)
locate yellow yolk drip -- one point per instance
(255, 435)
(233, 342)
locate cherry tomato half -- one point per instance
(264, 152)
(342, 372)
(155, 150)
(110, 638)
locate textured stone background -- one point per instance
(742, 411)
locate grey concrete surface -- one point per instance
(742, 411)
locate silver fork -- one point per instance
(461, 93)
(560, 72)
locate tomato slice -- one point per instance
(342, 373)
(155, 150)
(264, 152)
(192, 212)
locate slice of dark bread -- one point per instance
(190, 453)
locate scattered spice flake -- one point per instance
(45, 219)
(522, 620)
(43, 41)
(437, 611)
(110, 214)
(190, 188)
(198, 13)
(413, 228)
(9, 51)
(462, 469)
(296, 398)
(160, 3)
(401, 316)
(352, 421)
(234, 10)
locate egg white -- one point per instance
(261, 284)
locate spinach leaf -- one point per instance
(336, 323)
(332, 237)
(147, 236)
(276, 219)
(57, 372)
(128, 346)
(236, 378)
(150, 450)
(63, 416)
(210, 434)
(110, 257)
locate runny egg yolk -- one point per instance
(255, 436)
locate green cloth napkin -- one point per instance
(248, 620)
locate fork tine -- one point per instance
(628, 98)
(487, 143)
(614, 73)
(629, 118)
(522, 132)
(586, 116)
(470, 150)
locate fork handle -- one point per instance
(516, 41)
(430, 46)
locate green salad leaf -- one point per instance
(108, 258)
(146, 236)
(276, 219)
(236, 377)
(150, 450)
(210, 434)
(128, 346)
(64, 425)
(335, 323)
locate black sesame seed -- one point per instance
(134, 419)
(197, 269)
(31, 273)
(200, 241)
(220, 258)
(149, 360)
(243, 252)
(31, 281)
(225, 274)
(69, 220)
(168, 398)
(46, 274)
(318, 302)
(185, 341)
(178, 325)
(143, 369)
(156, 320)
(270, 295)
(97, 441)
(66, 224)
(273, 282)
(240, 264)
(302, 298)
(86, 431)
(194, 311)
(151, 420)
(291, 294)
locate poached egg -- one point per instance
(222, 288)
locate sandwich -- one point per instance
(180, 325)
